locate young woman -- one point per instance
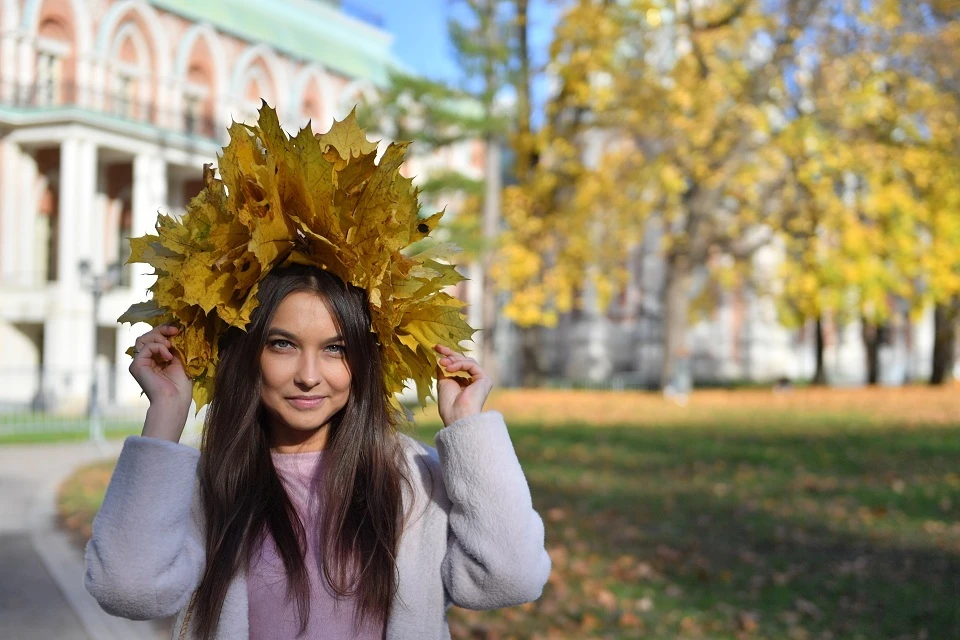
(305, 513)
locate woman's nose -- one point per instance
(308, 373)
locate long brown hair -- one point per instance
(244, 499)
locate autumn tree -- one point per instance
(722, 126)
(661, 124)
(849, 253)
(887, 97)
(488, 38)
(934, 167)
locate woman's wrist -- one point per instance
(165, 423)
(454, 419)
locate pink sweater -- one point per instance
(273, 616)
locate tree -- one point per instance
(661, 123)
(938, 175)
(722, 126)
(436, 115)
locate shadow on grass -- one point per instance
(730, 530)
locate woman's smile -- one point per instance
(306, 402)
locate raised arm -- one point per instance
(146, 554)
(495, 547)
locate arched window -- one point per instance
(197, 69)
(55, 52)
(313, 108)
(257, 86)
(198, 101)
(131, 70)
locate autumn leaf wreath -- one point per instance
(321, 200)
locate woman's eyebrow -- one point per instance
(283, 333)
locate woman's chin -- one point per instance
(303, 424)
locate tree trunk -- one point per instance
(523, 143)
(531, 373)
(820, 375)
(675, 373)
(944, 339)
(872, 334)
(491, 228)
(493, 185)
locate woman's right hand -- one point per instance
(162, 377)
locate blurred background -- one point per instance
(713, 247)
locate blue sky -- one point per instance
(420, 35)
(419, 28)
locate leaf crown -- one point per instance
(320, 200)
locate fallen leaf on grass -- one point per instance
(748, 621)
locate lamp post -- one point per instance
(97, 284)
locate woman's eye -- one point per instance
(337, 349)
(280, 344)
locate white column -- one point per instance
(9, 208)
(149, 197)
(78, 185)
(97, 225)
(68, 330)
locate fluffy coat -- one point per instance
(473, 540)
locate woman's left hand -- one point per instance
(457, 397)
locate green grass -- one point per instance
(75, 433)
(793, 526)
(806, 527)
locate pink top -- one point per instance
(272, 615)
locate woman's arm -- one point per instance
(495, 549)
(147, 551)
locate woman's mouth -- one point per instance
(306, 402)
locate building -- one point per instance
(108, 111)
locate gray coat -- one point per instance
(476, 543)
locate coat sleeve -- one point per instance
(495, 547)
(146, 554)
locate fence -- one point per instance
(35, 401)
(40, 423)
(39, 95)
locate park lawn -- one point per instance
(75, 435)
(741, 515)
(40, 428)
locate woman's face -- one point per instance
(306, 380)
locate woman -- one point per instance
(305, 513)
